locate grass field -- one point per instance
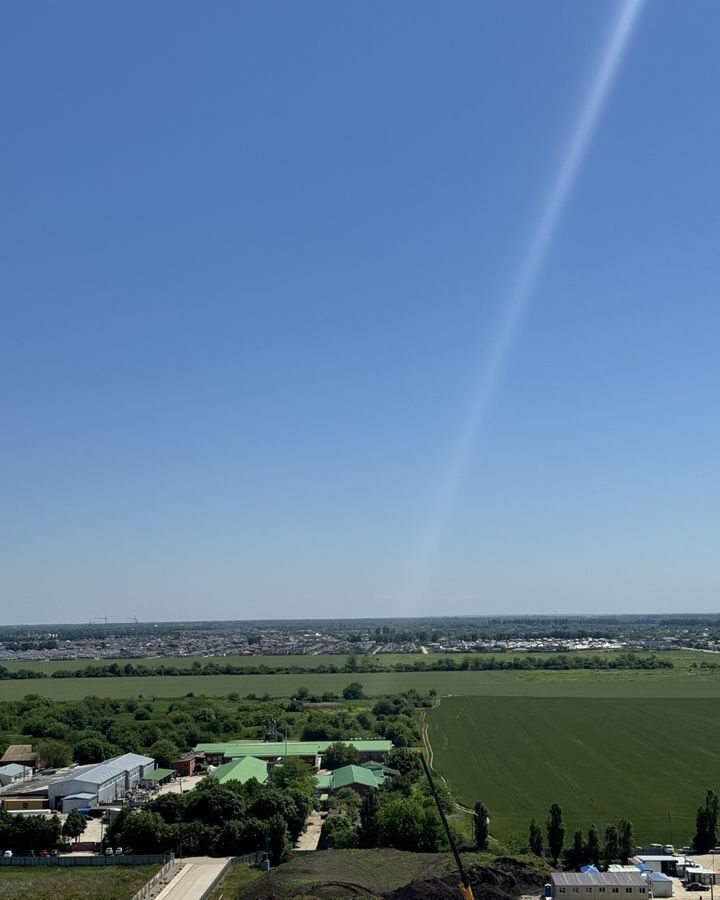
(73, 882)
(649, 759)
(677, 683)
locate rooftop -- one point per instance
(17, 752)
(289, 748)
(242, 770)
(583, 879)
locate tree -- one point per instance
(706, 823)
(339, 832)
(555, 832)
(353, 691)
(625, 840)
(338, 755)
(293, 773)
(481, 819)
(54, 754)
(576, 854)
(278, 842)
(593, 846)
(612, 850)
(407, 762)
(535, 839)
(406, 824)
(93, 750)
(74, 825)
(164, 752)
(368, 834)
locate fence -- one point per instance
(149, 859)
(166, 874)
(247, 858)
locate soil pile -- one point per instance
(508, 881)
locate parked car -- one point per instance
(118, 851)
(55, 852)
(108, 851)
(7, 854)
(696, 886)
(43, 853)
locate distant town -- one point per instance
(138, 640)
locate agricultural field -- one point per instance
(647, 758)
(73, 882)
(678, 683)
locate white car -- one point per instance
(7, 854)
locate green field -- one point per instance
(73, 882)
(648, 759)
(675, 683)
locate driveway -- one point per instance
(195, 876)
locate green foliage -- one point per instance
(481, 821)
(535, 838)
(407, 762)
(625, 840)
(612, 847)
(29, 832)
(407, 824)
(353, 691)
(54, 754)
(339, 754)
(593, 846)
(93, 750)
(555, 832)
(164, 752)
(75, 824)
(706, 823)
(339, 832)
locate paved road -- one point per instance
(196, 874)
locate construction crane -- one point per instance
(466, 891)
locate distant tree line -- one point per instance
(477, 662)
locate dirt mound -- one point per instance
(508, 881)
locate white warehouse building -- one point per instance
(600, 886)
(102, 783)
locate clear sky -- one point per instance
(257, 266)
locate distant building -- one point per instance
(242, 770)
(21, 755)
(97, 784)
(358, 778)
(13, 772)
(184, 766)
(600, 886)
(311, 751)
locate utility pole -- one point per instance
(466, 891)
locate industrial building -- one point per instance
(13, 772)
(107, 782)
(242, 770)
(360, 779)
(600, 886)
(21, 755)
(273, 751)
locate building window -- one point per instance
(616, 890)
(562, 890)
(602, 890)
(628, 890)
(588, 890)
(576, 890)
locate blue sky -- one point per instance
(253, 260)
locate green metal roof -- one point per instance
(235, 749)
(346, 776)
(242, 770)
(158, 774)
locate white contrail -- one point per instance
(522, 290)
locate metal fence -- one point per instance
(247, 858)
(165, 875)
(136, 859)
